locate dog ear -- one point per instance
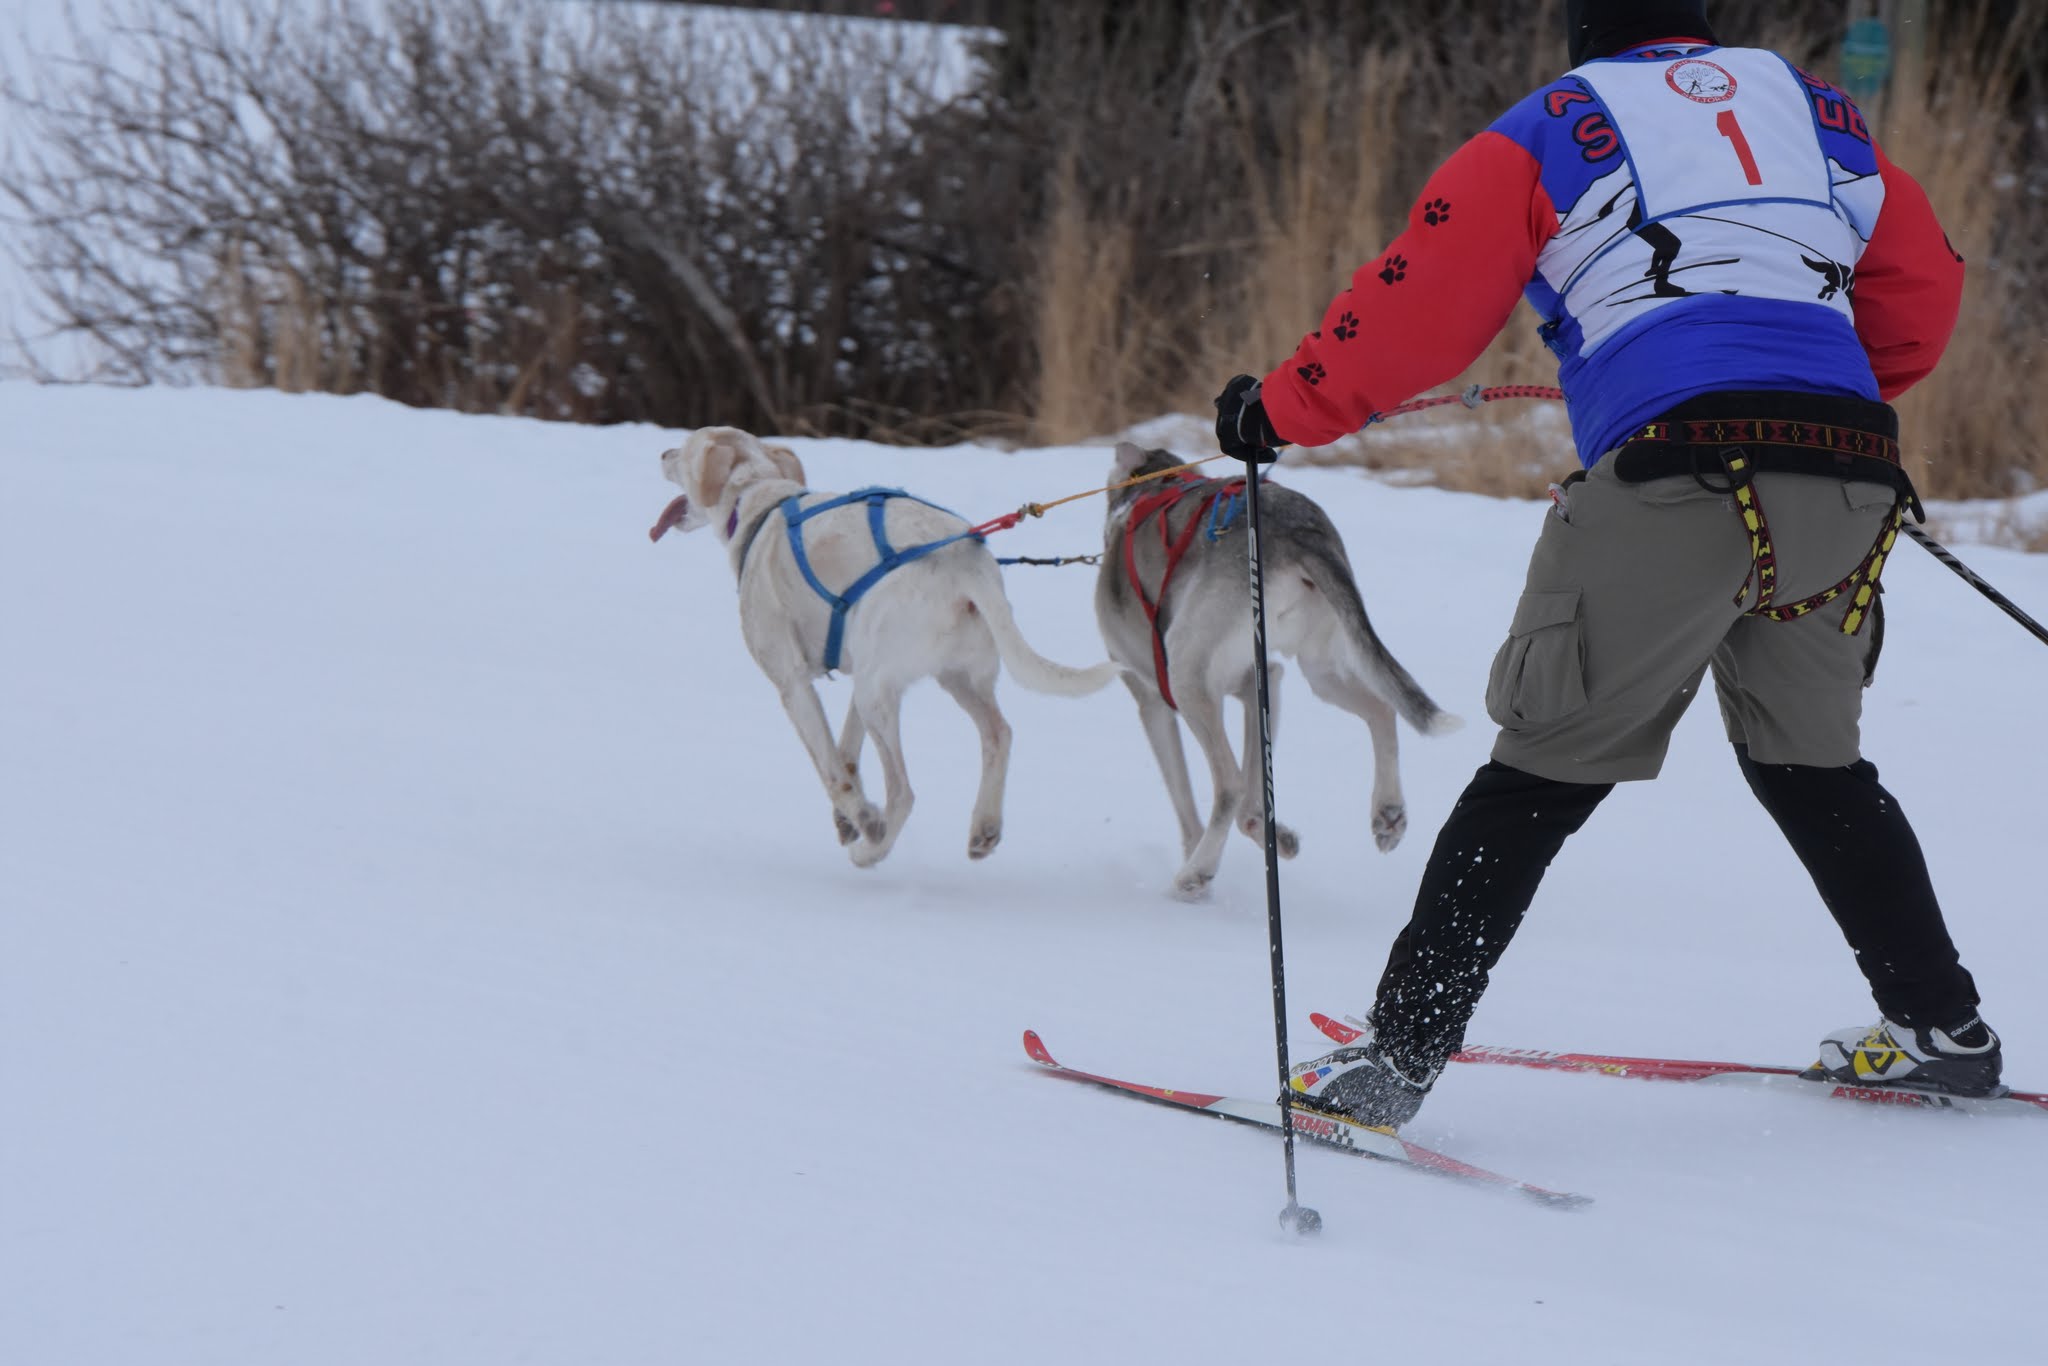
(1128, 458)
(786, 463)
(714, 471)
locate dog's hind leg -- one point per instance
(1163, 730)
(1340, 688)
(1253, 821)
(1389, 806)
(851, 736)
(1203, 711)
(850, 809)
(976, 694)
(880, 710)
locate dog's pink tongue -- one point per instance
(677, 509)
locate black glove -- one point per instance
(1242, 428)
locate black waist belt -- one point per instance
(1836, 438)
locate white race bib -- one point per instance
(1722, 186)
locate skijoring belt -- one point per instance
(1834, 437)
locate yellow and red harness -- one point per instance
(1740, 450)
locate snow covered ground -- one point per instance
(422, 941)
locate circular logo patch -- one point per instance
(1700, 81)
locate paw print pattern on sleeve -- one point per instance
(1395, 270)
(1346, 327)
(1313, 372)
(1436, 211)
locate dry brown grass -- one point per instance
(1318, 204)
(2014, 526)
(2019, 524)
(1969, 427)
(1090, 356)
(277, 332)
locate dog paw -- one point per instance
(1389, 823)
(984, 839)
(867, 853)
(847, 833)
(1191, 884)
(872, 827)
(1286, 840)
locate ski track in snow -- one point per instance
(424, 941)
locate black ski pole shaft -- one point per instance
(1969, 576)
(1297, 1217)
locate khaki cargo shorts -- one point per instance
(1631, 598)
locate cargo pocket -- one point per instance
(1539, 675)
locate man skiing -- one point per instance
(1735, 281)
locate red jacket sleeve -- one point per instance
(1424, 310)
(1909, 286)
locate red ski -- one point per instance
(1323, 1130)
(1785, 1079)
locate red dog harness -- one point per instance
(1218, 509)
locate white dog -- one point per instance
(1174, 603)
(940, 613)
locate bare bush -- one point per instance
(571, 212)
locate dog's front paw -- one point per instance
(1191, 884)
(1389, 823)
(847, 833)
(873, 828)
(984, 839)
(867, 853)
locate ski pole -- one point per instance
(1297, 1217)
(1969, 576)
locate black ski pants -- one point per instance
(1508, 825)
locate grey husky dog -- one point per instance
(1174, 603)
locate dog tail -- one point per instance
(1025, 664)
(1333, 576)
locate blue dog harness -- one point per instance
(890, 558)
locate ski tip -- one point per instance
(1335, 1029)
(1035, 1047)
